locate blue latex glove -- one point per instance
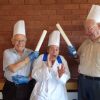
(33, 55)
(19, 79)
(72, 51)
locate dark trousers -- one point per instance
(12, 91)
(88, 88)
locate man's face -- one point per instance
(53, 51)
(19, 42)
(93, 30)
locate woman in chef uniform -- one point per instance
(51, 72)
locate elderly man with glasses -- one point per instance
(89, 56)
(17, 67)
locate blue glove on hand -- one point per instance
(19, 79)
(72, 51)
(33, 55)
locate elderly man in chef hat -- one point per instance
(51, 72)
(17, 66)
(89, 54)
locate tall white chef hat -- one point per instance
(54, 38)
(19, 28)
(94, 13)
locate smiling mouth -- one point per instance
(20, 46)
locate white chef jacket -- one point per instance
(49, 86)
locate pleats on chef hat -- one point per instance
(54, 38)
(94, 13)
(19, 28)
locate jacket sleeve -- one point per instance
(39, 71)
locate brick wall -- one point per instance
(44, 14)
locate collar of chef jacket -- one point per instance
(46, 55)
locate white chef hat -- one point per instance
(19, 28)
(54, 38)
(94, 13)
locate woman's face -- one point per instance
(53, 51)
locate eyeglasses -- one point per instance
(20, 41)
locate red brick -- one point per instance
(93, 1)
(4, 2)
(30, 12)
(19, 2)
(79, 11)
(5, 35)
(9, 18)
(48, 1)
(40, 7)
(20, 7)
(4, 13)
(36, 18)
(83, 17)
(48, 12)
(85, 6)
(71, 6)
(63, 1)
(63, 12)
(23, 12)
(77, 22)
(56, 6)
(79, 1)
(7, 24)
(32, 2)
(65, 22)
(56, 17)
(73, 27)
(72, 17)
